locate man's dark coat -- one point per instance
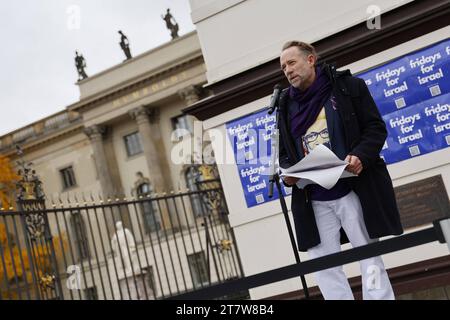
(365, 133)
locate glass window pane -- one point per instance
(133, 144)
(68, 177)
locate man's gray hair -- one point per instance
(304, 47)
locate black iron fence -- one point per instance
(440, 231)
(149, 247)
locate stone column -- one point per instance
(154, 153)
(191, 95)
(95, 134)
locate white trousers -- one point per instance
(333, 283)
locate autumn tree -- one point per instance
(8, 180)
(15, 265)
(15, 260)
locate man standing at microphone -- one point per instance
(333, 108)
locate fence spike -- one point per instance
(53, 201)
(84, 198)
(60, 201)
(69, 203)
(77, 203)
(92, 196)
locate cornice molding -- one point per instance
(134, 84)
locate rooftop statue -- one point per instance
(171, 24)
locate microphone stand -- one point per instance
(275, 178)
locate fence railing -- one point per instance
(439, 232)
(144, 248)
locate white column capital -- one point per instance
(95, 132)
(143, 114)
(190, 94)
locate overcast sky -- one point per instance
(39, 39)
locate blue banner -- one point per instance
(417, 130)
(250, 137)
(413, 94)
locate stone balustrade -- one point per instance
(39, 129)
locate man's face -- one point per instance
(298, 67)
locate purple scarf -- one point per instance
(310, 101)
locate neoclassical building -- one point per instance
(122, 125)
(115, 144)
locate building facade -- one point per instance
(122, 125)
(114, 149)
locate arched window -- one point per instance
(149, 208)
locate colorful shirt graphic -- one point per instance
(316, 134)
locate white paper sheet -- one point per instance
(321, 166)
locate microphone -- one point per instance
(275, 97)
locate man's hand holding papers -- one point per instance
(321, 166)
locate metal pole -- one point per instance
(274, 178)
(33, 271)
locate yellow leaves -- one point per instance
(8, 179)
(13, 263)
(3, 235)
(5, 199)
(16, 263)
(7, 173)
